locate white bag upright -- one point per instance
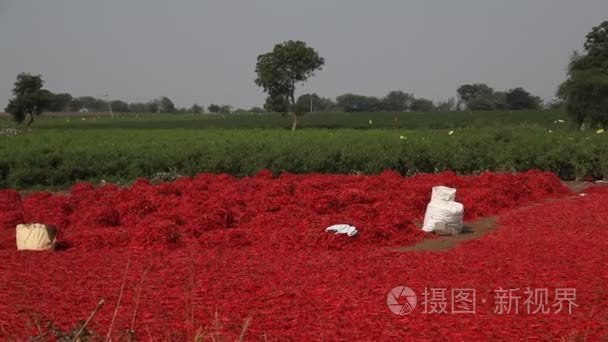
(443, 214)
(443, 194)
(35, 237)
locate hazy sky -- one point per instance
(204, 51)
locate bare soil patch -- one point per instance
(470, 231)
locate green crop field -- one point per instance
(381, 120)
(61, 150)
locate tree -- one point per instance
(213, 108)
(138, 107)
(29, 99)
(585, 92)
(119, 106)
(256, 110)
(596, 46)
(519, 98)
(279, 71)
(359, 103)
(467, 92)
(397, 101)
(499, 100)
(59, 102)
(92, 104)
(319, 104)
(152, 107)
(479, 96)
(165, 105)
(447, 106)
(482, 103)
(555, 104)
(196, 109)
(74, 105)
(277, 104)
(586, 96)
(422, 105)
(225, 109)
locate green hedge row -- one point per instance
(58, 158)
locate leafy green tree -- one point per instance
(596, 46)
(59, 102)
(213, 108)
(119, 106)
(397, 100)
(166, 105)
(278, 104)
(481, 103)
(196, 109)
(225, 109)
(359, 103)
(279, 71)
(74, 105)
(422, 105)
(499, 100)
(467, 92)
(585, 92)
(519, 98)
(586, 96)
(447, 106)
(153, 107)
(479, 96)
(555, 104)
(92, 104)
(256, 110)
(138, 107)
(29, 98)
(319, 104)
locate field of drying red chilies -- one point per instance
(219, 256)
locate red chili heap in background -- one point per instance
(289, 212)
(217, 251)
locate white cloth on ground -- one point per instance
(342, 229)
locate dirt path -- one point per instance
(477, 229)
(470, 231)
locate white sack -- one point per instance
(443, 214)
(342, 229)
(443, 193)
(35, 237)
